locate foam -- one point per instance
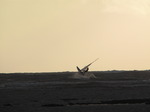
(85, 76)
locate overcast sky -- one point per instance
(58, 35)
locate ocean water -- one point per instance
(62, 79)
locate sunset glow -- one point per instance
(58, 35)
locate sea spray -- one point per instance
(85, 76)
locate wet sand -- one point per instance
(126, 91)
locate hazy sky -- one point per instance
(58, 35)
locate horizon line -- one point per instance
(74, 71)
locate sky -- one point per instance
(58, 35)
